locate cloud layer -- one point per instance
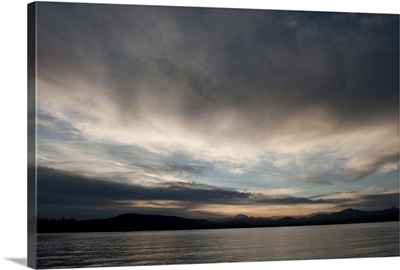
(149, 95)
(100, 197)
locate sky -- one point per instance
(204, 113)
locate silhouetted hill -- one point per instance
(355, 216)
(286, 221)
(243, 221)
(139, 222)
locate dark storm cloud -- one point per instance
(75, 194)
(291, 58)
(67, 188)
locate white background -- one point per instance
(13, 132)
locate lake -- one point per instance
(59, 250)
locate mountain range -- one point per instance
(140, 222)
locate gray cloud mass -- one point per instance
(68, 191)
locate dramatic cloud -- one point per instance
(154, 95)
(375, 201)
(57, 188)
(63, 190)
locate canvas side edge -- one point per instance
(32, 211)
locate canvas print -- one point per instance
(181, 135)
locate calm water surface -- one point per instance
(212, 246)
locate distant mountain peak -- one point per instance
(349, 210)
(241, 216)
(287, 219)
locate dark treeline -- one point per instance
(138, 222)
(125, 222)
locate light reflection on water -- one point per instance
(213, 246)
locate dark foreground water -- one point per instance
(212, 246)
